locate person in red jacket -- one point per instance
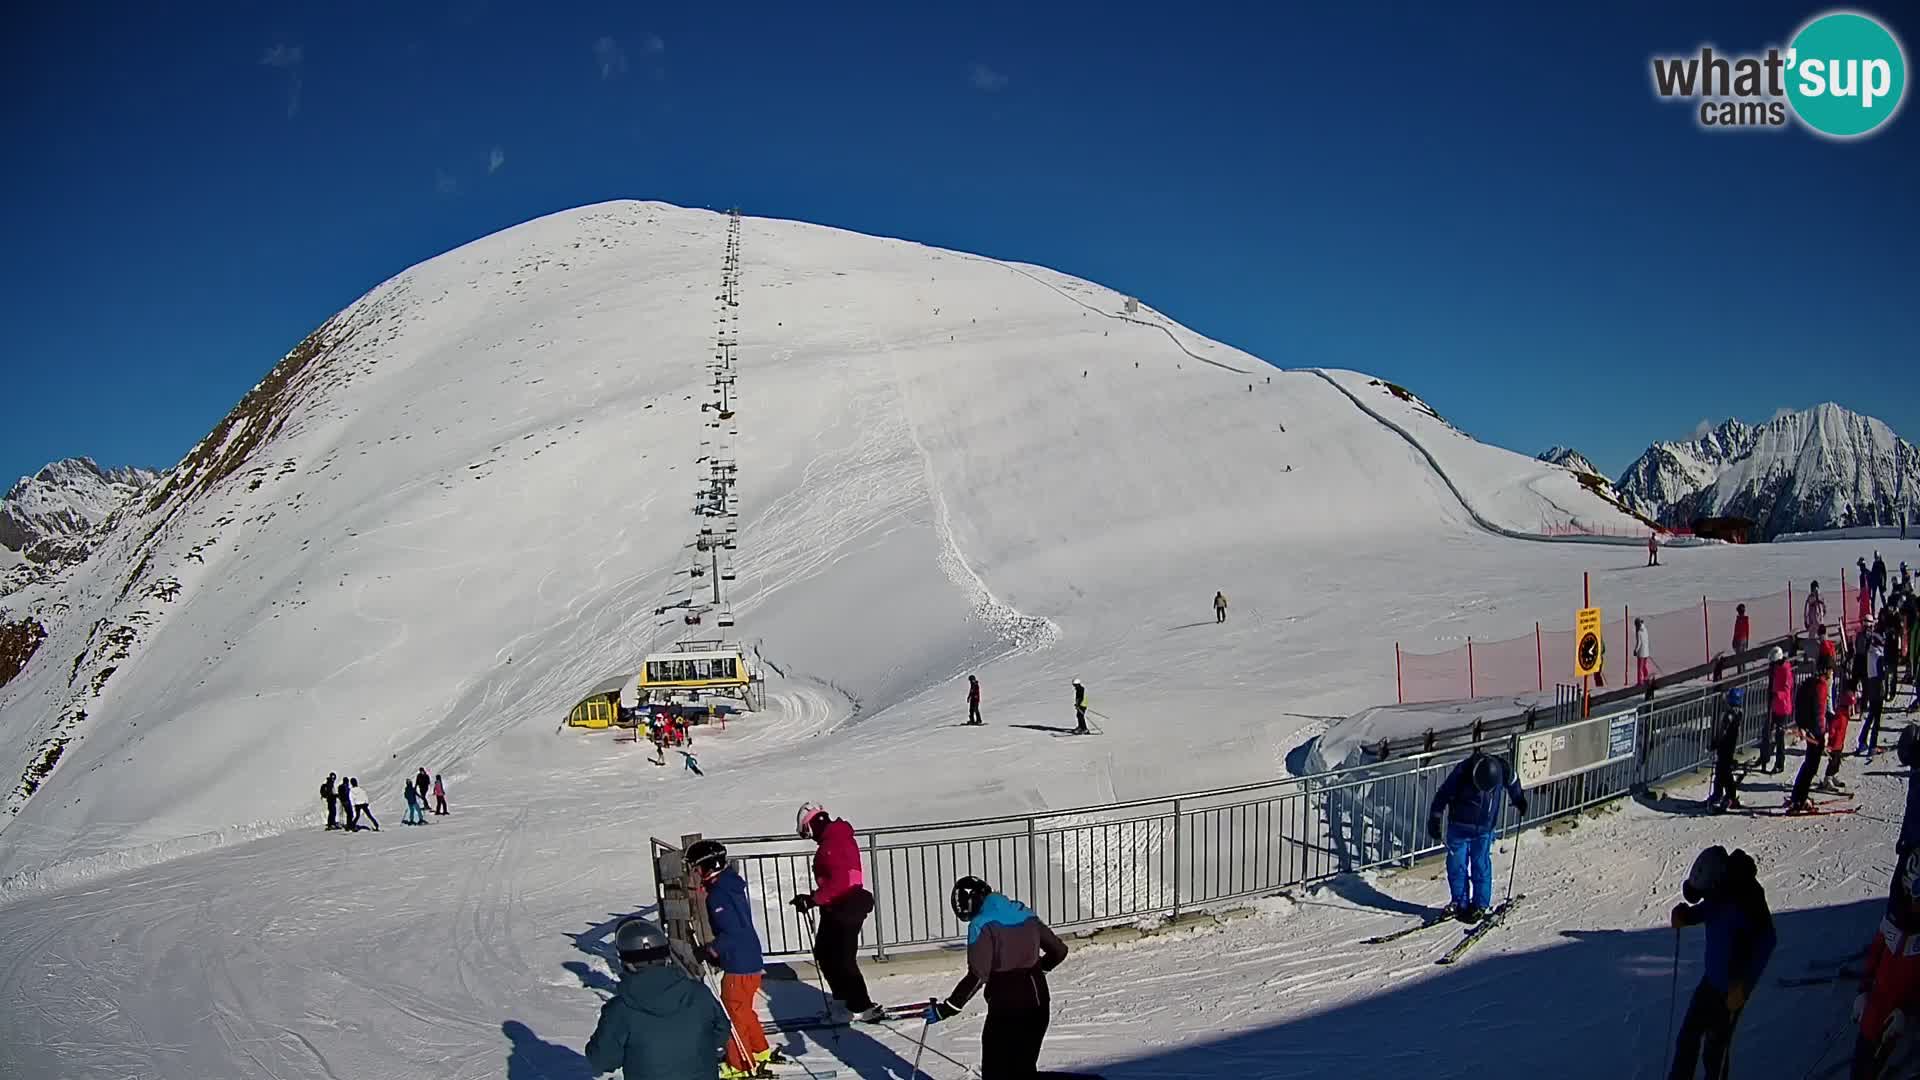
(1890, 984)
(1742, 631)
(840, 893)
(1773, 741)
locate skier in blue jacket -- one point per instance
(735, 950)
(1470, 799)
(1723, 893)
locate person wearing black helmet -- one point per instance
(660, 1024)
(1723, 893)
(735, 950)
(1470, 799)
(1010, 951)
(1726, 738)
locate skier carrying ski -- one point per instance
(1470, 799)
(1009, 951)
(1219, 607)
(844, 902)
(973, 699)
(1890, 983)
(1079, 706)
(735, 950)
(1723, 893)
(660, 1024)
(1810, 717)
(1773, 741)
(326, 796)
(1726, 737)
(1816, 613)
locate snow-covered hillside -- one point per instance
(66, 499)
(459, 505)
(1822, 468)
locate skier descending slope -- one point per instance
(1890, 985)
(735, 950)
(1723, 894)
(1010, 951)
(1470, 798)
(660, 1024)
(844, 902)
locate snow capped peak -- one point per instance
(1570, 458)
(65, 499)
(1826, 467)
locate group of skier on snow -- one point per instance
(348, 805)
(663, 1024)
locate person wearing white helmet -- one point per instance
(840, 893)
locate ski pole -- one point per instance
(1673, 997)
(925, 1023)
(813, 949)
(733, 1029)
(1514, 870)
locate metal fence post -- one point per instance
(1176, 857)
(1033, 865)
(879, 924)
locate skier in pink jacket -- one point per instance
(840, 893)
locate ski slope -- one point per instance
(458, 506)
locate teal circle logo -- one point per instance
(1846, 74)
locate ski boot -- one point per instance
(1473, 915)
(872, 1014)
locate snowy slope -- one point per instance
(456, 507)
(1822, 468)
(66, 499)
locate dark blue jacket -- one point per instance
(1740, 935)
(1469, 807)
(1910, 821)
(734, 938)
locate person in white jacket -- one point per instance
(1643, 650)
(360, 806)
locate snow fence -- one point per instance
(1151, 858)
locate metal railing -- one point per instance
(1126, 861)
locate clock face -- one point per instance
(1589, 652)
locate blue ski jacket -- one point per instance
(1740, 935)
(1469, 807)
(734, 939)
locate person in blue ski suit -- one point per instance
(1470, 799)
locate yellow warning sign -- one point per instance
(1587, 656)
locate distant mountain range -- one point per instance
(1823, 468)
(1572, 459)
(50, 510)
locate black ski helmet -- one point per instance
(969, 895)
(707, 856)
(1486, 773)
(1908, 750)
(1709, 867)
(640, 942)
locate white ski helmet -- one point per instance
(803, 821)
(1778, 654)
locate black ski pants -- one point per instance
(1773, 744)
(351, 819)
(1724, 788)
(1809, 768)
(1010, 1042)
(333, 820)
(973, 712)
(1706, 1036)
(1870, 729)
(836, 948)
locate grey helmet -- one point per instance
(639, 941)
(1709, 869)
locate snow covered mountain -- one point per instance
(1571, 459)
(461, 502)
(1822, 468)
(64, 500)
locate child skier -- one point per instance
(439, 795)
(1726, 738)
(1723, 893)
(412, 798)
(1470, 798)
(1010, 951)
(735, 950)
(1843, 703)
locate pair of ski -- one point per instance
(1814, 808)
(912, 1010)
(1474, 934)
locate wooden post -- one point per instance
(1399, 682)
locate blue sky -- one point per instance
(1490, 207)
